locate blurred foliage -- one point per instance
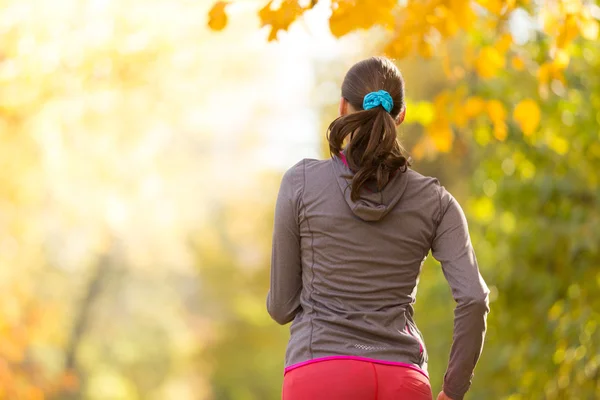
(534, 208)
(123, 277)
(473, 41)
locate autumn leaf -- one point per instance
(446, 23)
(558, 144)
(459, 117)
(500, 131)
(494, 6)
(527, 115)
(217, 18)
(496, 111)
(350, 15)
(544, 73)
(504, 43)
(567, 32)
(474, 106)
(550, 21)
(497, 114)
(441, 134)
(400, 47)
(517, 63)
(281, 18)
(421, 112)
(425, 49)
(489, 62)
(462, 13)
(548, 72)
(561, 59)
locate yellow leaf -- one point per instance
(483, 209)
(496, 111)
(441, 101)
(500, 131)
(399, 47)
(567, 32)
(217, 18)
(463, 13)
(526, 169)
(527, 115)
(349, 15)
(341, 20)
(549, 21)
(425, 49)
(459, 117)
(558, 144)
(474, 106)
(281, 18)
(489, 62)
(446, 23)
(544, 73)
(441, 134)
(547, 72)
(555, 311)
(504, 43)
(421, 112)
(494, 6)
(561, 59)
(589, 28)
(517, 63)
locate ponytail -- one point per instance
(375, 89)
(373, 152)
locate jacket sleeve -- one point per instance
(452, 248)
(283, 299)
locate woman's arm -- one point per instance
(283, 300)
(452, 247)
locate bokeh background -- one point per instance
(142, 143)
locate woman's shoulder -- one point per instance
(297, 173)
(308, 165)
(427, 186)
(430, 186)
(420, 181)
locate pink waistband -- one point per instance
(356, 358)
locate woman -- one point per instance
(351, 234)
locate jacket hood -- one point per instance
(371, 205)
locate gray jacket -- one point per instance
(346, 272)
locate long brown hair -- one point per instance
(373, 152)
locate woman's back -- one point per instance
(359, 275)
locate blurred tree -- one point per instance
(535, 207)
(244, 352)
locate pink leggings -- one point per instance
(355, 380)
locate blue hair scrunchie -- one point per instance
(379, 98)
